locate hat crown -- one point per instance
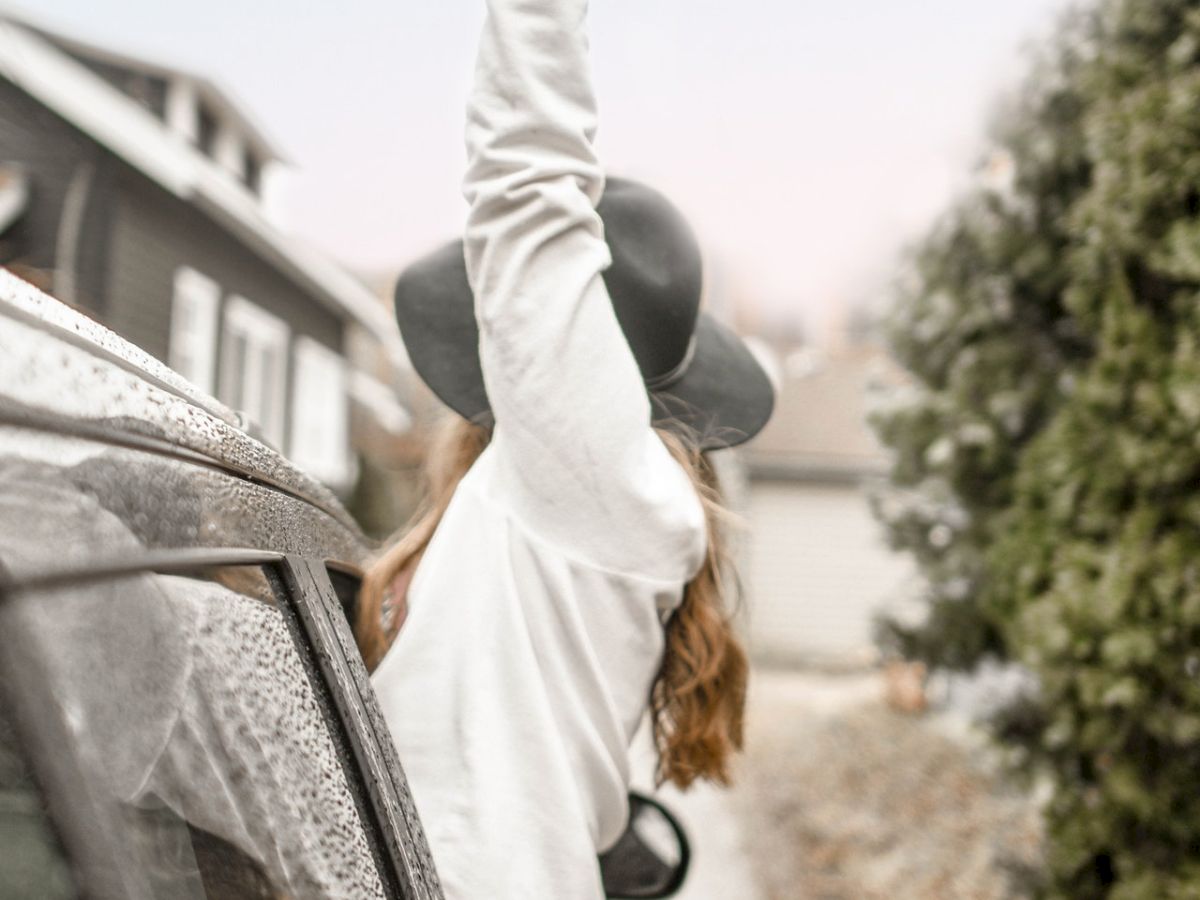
(656, 277)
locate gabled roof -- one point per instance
(67, 87)
(819, 429)
(218, 99)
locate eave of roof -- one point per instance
(222, 100)
(117, 122)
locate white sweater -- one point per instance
(535, 629)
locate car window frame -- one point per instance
(326, 645)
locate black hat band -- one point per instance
(668, 378)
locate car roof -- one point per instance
(63, 372)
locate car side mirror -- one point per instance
(651, 858)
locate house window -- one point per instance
(254, 365)
(193, 342)
(229, 150)
(320, 413)
(206, 130)
(253, 169)
(180, 108)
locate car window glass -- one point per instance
(345, 586)
(32, 863)
(194, 724)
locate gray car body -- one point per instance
(192, 488)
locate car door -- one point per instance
(183, 712)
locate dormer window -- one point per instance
(145, 91)
(205, 119)
(206, 130)
(230, 152)
(253, 173)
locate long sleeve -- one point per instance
(580, 461)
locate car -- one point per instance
(183, 709)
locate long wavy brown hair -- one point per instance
(698, 697)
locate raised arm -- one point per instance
(572, 415)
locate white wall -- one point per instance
(818, 571)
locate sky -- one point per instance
(806, 140)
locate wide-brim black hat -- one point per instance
(703, 381)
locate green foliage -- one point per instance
(982, 326)
(1096, 579)
(1076, 547)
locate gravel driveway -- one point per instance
(843, 799)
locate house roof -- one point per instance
(819, 430)
(66, 86)
(217, 98)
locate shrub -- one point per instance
(1076, 546)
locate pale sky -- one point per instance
(806, 140)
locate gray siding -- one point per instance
(154, 233)
(53, 153)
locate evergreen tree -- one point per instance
(1097, 582)
(1095, 573)
(981, 326)
(1074, 547)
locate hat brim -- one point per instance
(723, 399)
(436, 313)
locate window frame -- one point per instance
(326, 368)
(207, 126)
(326, 646)
(192, 350)
(263, 333)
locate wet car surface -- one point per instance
(183, 712)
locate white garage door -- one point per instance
(819, 570)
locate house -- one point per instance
(140, 194)
(819, 569)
